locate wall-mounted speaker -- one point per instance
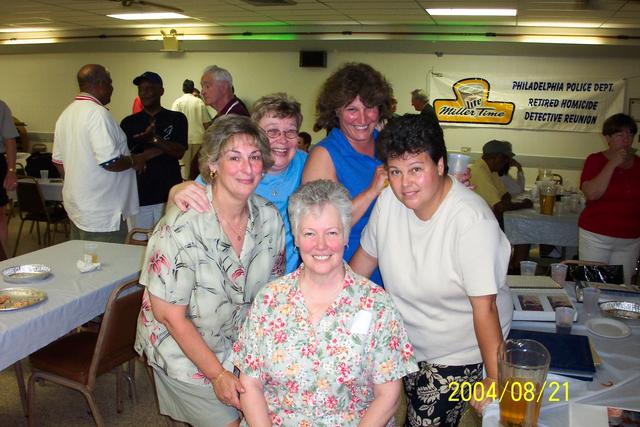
(313, 58)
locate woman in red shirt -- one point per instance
(610, 223)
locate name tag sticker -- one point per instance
(361, 322)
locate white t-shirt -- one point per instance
(196, 113)
(85, 137)
(430, 268)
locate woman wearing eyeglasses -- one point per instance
(279, 116)
(610, 224)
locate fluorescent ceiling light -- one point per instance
(148, 16)
(472, 12)
(29, 41)
(563, 39)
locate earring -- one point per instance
(213, 174)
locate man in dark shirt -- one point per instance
(161, 135)
(218, 93)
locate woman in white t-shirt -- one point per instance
(443, 259)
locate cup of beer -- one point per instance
(547, 191)
(522, 370)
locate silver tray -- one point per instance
(26, 273)
(621, 309)
(17, 298)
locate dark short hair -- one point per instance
(305, 137)
(343, 86)
(188, 86)
(412, 134)
(619, 122)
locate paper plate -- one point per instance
(608, 328)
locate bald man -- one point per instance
(90, 151)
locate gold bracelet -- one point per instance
(131, 159)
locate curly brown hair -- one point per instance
(350, 81)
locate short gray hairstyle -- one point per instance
(219, 74)
(318, 194)
(420, 95)
(279, 105)
(217, 138)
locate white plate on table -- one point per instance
(608, 328)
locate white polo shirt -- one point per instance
(86, 136)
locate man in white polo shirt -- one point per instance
(90, 151)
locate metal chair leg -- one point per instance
(21, 387)
(15, 249)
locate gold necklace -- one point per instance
(231, 227)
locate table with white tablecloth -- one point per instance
(73, 298)
(617, 379)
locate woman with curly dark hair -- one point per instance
(444, 261)
(350, 105)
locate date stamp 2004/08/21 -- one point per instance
(527, 391)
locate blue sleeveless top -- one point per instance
(355, 171)
(277, 189)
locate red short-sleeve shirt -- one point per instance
(617, 212)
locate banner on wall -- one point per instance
(571, 104)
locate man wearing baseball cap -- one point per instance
(160, 135)
(484, 176)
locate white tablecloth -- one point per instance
(51, 190)
(529, 226)
(616, 377)
(73, 297)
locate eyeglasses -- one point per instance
(275, 133)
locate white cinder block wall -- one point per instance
(39, 86)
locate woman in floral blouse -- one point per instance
(322, 346)
(203, 271)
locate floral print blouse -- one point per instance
(190, 261)
(323, 375)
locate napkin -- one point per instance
(86, 267)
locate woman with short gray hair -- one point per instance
(202, 273)
(279, 116)
(322, 346)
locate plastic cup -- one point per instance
(44, 174)
(458, 164)
(559, 273)
(547, 191)
(590, 298)
(90, 252)
(564, 320)
(522, 369)
(528, 268)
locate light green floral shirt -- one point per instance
(190, 261)
(323, 375)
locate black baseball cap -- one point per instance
(148, 75)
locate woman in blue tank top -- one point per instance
(350, 105)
